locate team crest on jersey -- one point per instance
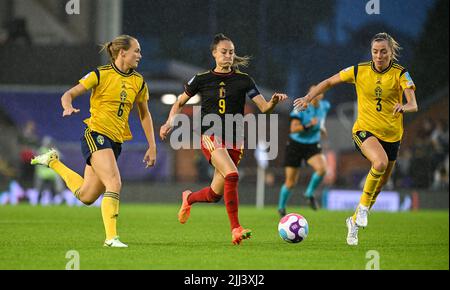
(378, 92)
(123, 96)
(363, 134)
(100, 140)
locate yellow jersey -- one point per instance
(377, 93)
(112, 98)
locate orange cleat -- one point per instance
(185, 210)
(239, 234)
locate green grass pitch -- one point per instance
(40, 237)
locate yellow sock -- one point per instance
(372, 180)
(110, 212)
(374, 198)
(73, 180)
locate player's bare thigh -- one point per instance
(372, 149)
(105, 167)
(221, 160)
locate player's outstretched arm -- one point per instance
(301, 104)
(176, 109)
(267, 107)
(69, 96)
(147, 126)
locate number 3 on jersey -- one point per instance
(378, 92)
(379, 106)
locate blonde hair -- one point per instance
(393, 44)
(238, 60)
(113, 47)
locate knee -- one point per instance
(87, 200)
(289, 183)
(380, 165)
(114, 185)
(117, 183)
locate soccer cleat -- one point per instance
(114, 243)
(46, 158)
(282, 212)
(239, 234)
(313, 203)
(361, 216)
(352, 234)
(185, 210)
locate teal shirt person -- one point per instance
(312, 134)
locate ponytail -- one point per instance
(113, 47)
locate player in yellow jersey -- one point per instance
(115, 87)
(377, 133)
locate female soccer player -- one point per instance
(377, 132)
(304, 144)
(115, 88)
(224, 90)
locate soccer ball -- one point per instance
(293, 228)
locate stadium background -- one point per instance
(293, 44)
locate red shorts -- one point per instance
(209, 144)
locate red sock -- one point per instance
(204, 195)
(231, 198)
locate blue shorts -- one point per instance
(93, 141)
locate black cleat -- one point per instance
(282, 212)
(313, 203)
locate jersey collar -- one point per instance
(223, 74)
(372, 65)
(121, 72)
